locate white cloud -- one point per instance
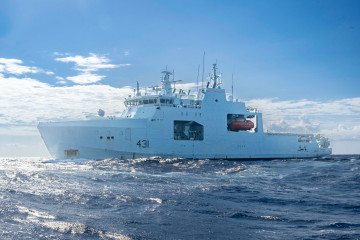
(302, 125)
(61, 54)
(19, 130)
(186, 87)
(87, 65)
(61, 80)
(11, 85)
(26, 101)
(344, 132)
(16, 67)
(86, 78)
(337, 119)
(342, 107)
(13, 66)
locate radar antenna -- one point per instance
(166, 87)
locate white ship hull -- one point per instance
(85, 140)
(170, 125)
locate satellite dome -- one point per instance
(101, 112)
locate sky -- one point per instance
(298, 61)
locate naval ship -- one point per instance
(175, 124)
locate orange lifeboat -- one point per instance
(237, 125)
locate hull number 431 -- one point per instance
(143, 143)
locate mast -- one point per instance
(232, 87)
(202, 78)
(216, 78)
(167, 83)
(197, 81)
(138, 89)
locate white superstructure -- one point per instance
(178, 125)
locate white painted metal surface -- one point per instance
(178, 126)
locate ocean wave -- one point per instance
(49, 221)
(179, 199)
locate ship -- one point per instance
(176, 124)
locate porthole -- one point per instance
(112, 137)
(101, 137)
(108, 137)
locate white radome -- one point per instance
(178, 125)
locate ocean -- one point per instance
(180, 199)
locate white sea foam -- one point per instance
(32, 213)
(270, 217)
(231, 170)
(157, 200)
(46, 220)
(79, 228)
(65, 227)
(117, 236)
(69, 160)
(123, 198)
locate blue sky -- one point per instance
(300, 57)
